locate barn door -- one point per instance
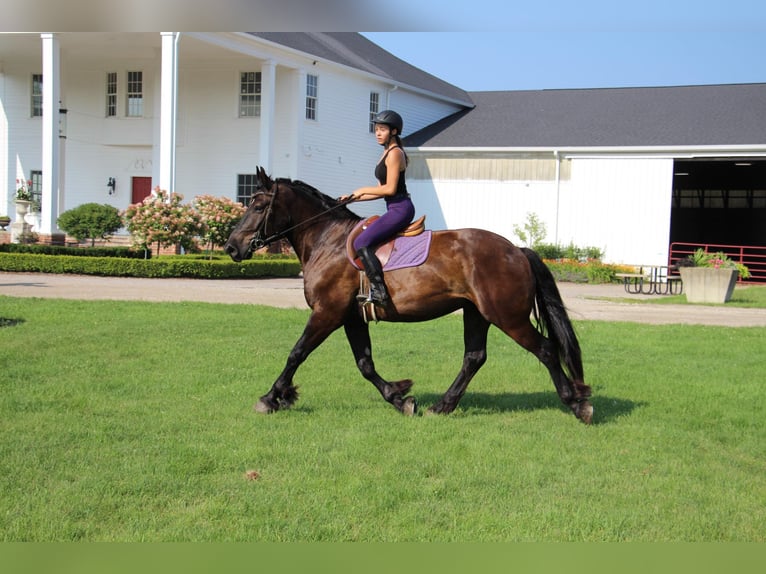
(141, 187)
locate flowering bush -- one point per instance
(219, 216)
(22, 191)
(161, 218)
(718, 260)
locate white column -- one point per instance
(50, 144)
(268, 97)
(168, 108)
(298, 120)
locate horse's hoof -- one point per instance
(584, 412)
(410, 406)
(263, 408)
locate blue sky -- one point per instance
(588, 44)
(475, 44)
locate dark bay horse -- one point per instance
(492, 281)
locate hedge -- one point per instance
(161, 267)
(128, 252)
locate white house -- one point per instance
(105, 117)
(627, 170)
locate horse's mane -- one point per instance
(326, 202)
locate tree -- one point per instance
(219, 216)
(90, 221)
(161, 218)
(533, 232)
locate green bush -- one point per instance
(575, 271)
(571, 251)
(90, 221)
(41, 249)
(158, 267)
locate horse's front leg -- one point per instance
(283, 393)
(358, 334)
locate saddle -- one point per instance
(384, 250)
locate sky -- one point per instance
(476, 45)
(670, 43)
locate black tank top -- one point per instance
(381, 173)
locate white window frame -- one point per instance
(249, 94)
(374, 109)
(111, 95)
(134, 97)
(36, 98)
(312, 96)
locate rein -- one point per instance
(258, 242)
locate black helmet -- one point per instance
(391, 119)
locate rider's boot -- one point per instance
(374, 271)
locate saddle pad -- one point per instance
(409, 251)
(406, 252)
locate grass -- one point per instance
(748, 296)
(132, 421)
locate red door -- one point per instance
(141, 188)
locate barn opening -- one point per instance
(721, 201)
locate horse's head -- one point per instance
(261, 223)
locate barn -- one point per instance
(630, 171)
(105, 117)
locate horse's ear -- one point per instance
(263, 180)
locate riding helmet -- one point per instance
(391, 119)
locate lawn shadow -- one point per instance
(606, 409)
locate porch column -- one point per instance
(50, 136)
(268, 97)
(168, 109)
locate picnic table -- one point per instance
(652, 280)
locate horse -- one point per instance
(482, 274)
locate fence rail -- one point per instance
(752, 256)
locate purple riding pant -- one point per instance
(398, 215)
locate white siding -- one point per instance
(493, 205)
(620, 205)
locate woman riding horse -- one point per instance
(479, 272)
(399, 208)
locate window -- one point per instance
(111, 94)
(374, 105)
(135, 94)
(37, 96)
(312, 90)
(249, 94)
(246, 183)
(36, 189)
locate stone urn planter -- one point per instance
(708, 284)
(22, 208)
(5, 221)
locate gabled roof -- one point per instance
(356, 51)
(715, 115)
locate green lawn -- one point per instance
(131, 421)
(751, 296)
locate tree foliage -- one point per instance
(162, 219)
(90, 221)
(219, 216)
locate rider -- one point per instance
(399, 207)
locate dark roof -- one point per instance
(715, 115)
(356, 51)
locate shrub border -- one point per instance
(158, 267)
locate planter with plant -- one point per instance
(710, 277)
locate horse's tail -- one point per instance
(552, 318)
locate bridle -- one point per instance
(259, 242)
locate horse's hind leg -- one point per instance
(475, 329)
(358, 334)
(571, 394)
